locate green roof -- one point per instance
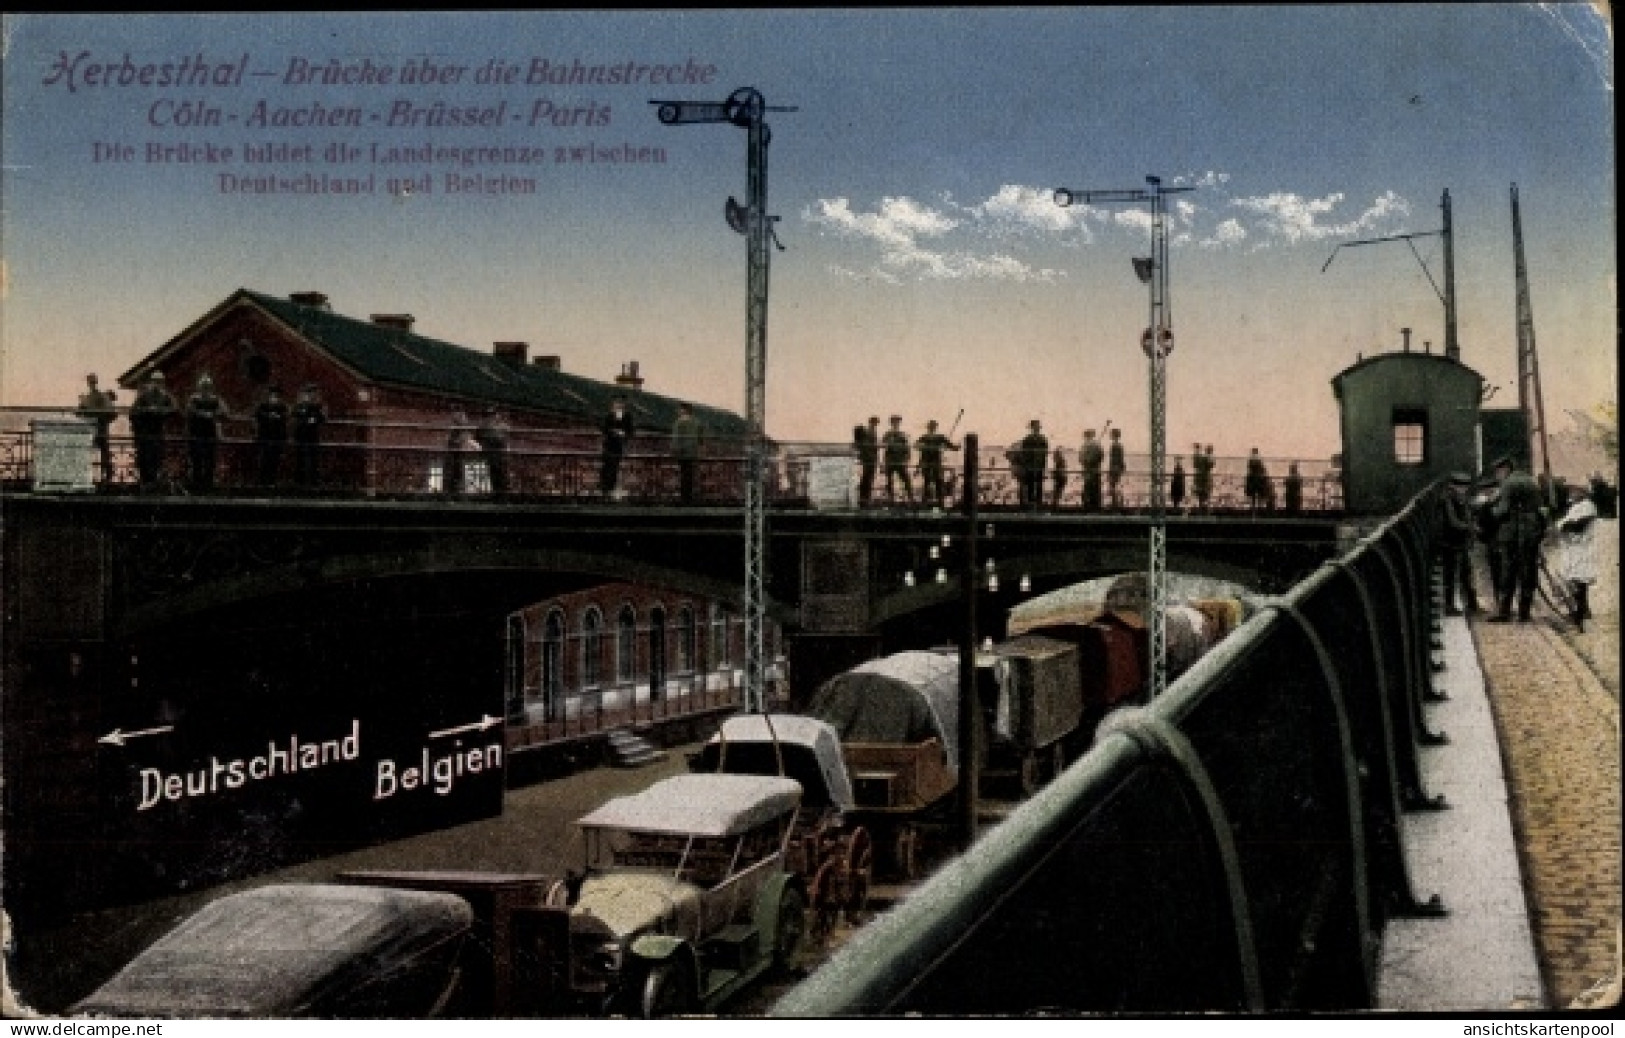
(392, 356)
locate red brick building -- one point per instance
(395, 399)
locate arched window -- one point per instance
(592, 648)
(685, 640)
(719, 638)
(657, 653)
(626, 643)
(553, 664)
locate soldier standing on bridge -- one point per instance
(1517, 510)
(1176, 485)
(931, 446)
(1260, 492)
(1034, 455)
(1455, 537)
(895, 444)
(1203, 479)
(308, 419)
(867, 443)
(1294, 490)
(1057, 478)
(97, 407)
(204, 411)
(1115, 468)
(618, 429)
(151, 411)
(492, 436)
(271, 435)
(685, 447)
(1090, 457)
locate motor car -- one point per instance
(686, 897)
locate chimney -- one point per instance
(1406, 332)
(399, 322)
(315, 300)
(549, 362)
(629, 376)
(511, 353)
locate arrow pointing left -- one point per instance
(117, 737)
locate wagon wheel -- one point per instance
(906, 853)
(860, 856)
(1030, 775)
(822, 898)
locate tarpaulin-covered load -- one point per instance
(699, 805)
(807, 749)
(908, 697)
(1040, 694)
(309, 950)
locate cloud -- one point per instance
(996, 238)
(1293, 218)
(901, 227)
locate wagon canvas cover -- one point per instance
(904, 698)
(810, 751)
(291, 950)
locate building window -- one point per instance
(657, 653)
(592, 648)
(626, 643)
(719, 638)
(553, 665)
(1410, 437)
(685, 640)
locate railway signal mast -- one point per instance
(746, 108)
(1158, 342)
(1530, 400)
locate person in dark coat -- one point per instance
(271, 435)
(492, 436)
(1034, 453)
(1518, 509)
(1202, 480)
(895, 448)
(149, 415)
(685, 447)
(1057, 478)
(1090, 457)
(1455, 537)
(204, 412)
(308, 419)
(1293, 487)
(97, 407)
(931, 445)
(617, 427)
(1116, 465)
(1176, 485)
(1260, 492)
(867, 443)
(1486, 528)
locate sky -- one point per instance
(926, 270)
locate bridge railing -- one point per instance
(414, 460)
(1233, 846)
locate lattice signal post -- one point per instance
(746, 108)
(1158, 342)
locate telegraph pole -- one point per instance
(1157, 342)
(1530, 399)
(746, 108)
(1447, 296)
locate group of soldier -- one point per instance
(1508, 516)
(153, 409)
(1031, 459)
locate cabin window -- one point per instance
(1410, 437)
(685, 640)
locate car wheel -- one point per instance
(792, 927)
(667, 991)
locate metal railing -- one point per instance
(1233, 846)
(415, 461)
